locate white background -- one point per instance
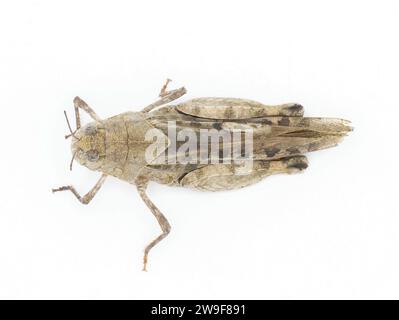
(331, 232)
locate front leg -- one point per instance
(166, 96)
(79, 103)
(163, 223)
(88, 196)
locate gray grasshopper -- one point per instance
(118, 146)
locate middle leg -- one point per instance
(88, 196)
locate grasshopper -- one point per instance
(118, 146)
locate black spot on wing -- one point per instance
(284, 121)
(217, 125)
(272, 151)
(295, 109)
(267, 121)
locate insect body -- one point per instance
(118, 146)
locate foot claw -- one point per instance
(145, 263)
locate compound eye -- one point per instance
(92, 155)
(91, 130)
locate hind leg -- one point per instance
(166, 96)
(235, 109)
(218, 177)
